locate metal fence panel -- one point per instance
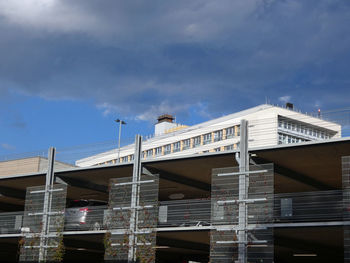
(346, 205)
(225, 211)
(52, 244)
(118, 219)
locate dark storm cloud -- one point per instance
(144, 57)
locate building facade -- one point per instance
(268, 126)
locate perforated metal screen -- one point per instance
(118, 240)
(346, 205)
(35, 241)
(225, 214)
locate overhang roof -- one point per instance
(301, 167)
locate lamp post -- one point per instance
(120, 132)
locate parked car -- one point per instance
(85, 214)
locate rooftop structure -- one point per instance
(269, 125)
(28, 165)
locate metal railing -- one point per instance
(318, 206)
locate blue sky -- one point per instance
(69, 68)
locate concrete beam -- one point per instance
(78, 243)
(162, 241)
(12, 192)
(295, 175)
(83, 184)
(10, 207)
(179, 179)
(308, 246)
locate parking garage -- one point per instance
(309, 217)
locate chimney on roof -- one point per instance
(166, 118)
(165, 122)
(289, 106)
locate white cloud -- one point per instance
(107, 108)
(7, 146)
(133, 56)
(285, 99)
(164, 108)
(50, 15)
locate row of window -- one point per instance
(302, 129)
(285, 139)
(196, 141)
(186, 144)
(225, 148)
(228, 147)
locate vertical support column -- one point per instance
(47, 204)
(132, 215)
(242, 199)
(135, 197)
(44, 219)
(243, 193)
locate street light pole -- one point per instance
(120, 132)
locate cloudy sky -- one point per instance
(69, 68)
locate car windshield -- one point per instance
(84, 203)
(78, 203)
(97, 203)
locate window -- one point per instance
(229, 147)
(280, 123)
(238, 130)
(230, 132)
(218, 136)
(217, 149)
(167, 149)
(158, 151)
(149, 153)
(176, 146)
(186, 144)
(283, 138)
(280, 138)
(132, 157)
(286, 207)
(196, 141)
(125, 159)
(207, 138)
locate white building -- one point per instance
(268, 125)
